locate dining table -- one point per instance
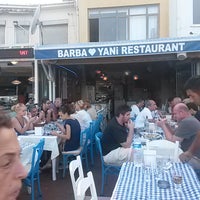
(51, 144)
(133, 184)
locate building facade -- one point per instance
(28, 26)
(67, 36)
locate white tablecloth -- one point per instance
(51, 144)
(131, 184)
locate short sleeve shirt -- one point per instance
(187, 130)
(113, 135)
(140, 119)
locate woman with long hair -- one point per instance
(21, 122)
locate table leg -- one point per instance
(54, 169)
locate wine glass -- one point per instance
(177, 179)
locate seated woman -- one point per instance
(21, 122)
(71, 129)
(90, 109)
(82, 115)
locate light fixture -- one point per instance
(182, 56)
(14, 62)
(16, 82)
(105, 78)
(135, 77)
(102, 76)
(127, 73)
(31, 79)
(98, 71)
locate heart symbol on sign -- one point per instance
(92, 51)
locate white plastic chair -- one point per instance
(165, 149)
(85, 184)
(76, 165)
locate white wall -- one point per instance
(181, 19)
(59, 12)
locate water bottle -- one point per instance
(137, 153)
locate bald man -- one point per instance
(188, 127)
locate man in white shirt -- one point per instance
(150, 105)
(136, 108)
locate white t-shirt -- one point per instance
(83, 118)
(140, 119)
(134, 111)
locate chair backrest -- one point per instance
(76, 173)
(165, 149)
(99, 121)
(36, 156)
(85, 184)
(84, 139)
(98, 137)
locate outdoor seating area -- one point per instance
(103, 153)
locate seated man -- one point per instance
(188, 127)
(136, 108)
(11, 170)
(117, 137)
(146, 113)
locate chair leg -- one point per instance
(32, 189)
(92, 154)
(86, 161)
(64, 165)
(39, 187)
(102, 183)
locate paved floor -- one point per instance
(62, 189)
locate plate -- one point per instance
(30, 132)
(152, 136)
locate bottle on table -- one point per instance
(137, 152)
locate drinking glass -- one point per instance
(159, 169)
(147, 172)
(177, 179)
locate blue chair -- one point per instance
(105, 168)
(34, 173)
(82, 151)
(94, 128)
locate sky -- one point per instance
(24, 2)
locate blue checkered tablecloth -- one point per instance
(132, 184)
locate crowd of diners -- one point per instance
(117, 136)
(129, 120)
(75, 116)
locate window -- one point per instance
(133, 23)
(2, 34)
(21, 32)
(58, 32)
(196, 13)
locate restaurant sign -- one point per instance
(119, 50)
